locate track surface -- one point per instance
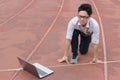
(35, 30)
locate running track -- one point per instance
(35, 30)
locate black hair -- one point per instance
(85, 7)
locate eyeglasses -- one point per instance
(84, 17)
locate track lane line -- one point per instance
(46, 33)
(36, 47)
(65, 65)
(104, 44)
(12, 17)
(10, 70)
(84, 64)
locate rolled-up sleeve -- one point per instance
(70, 30)
(95, 36)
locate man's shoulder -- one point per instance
(74, 20)
(93, 21)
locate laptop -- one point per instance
(36, 69)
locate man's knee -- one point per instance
(83, 52)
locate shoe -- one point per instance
(74, 60)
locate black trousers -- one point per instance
(84, 43)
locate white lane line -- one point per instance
(45, 35)
(17, 13)
(104, 44)
(84, 64)
(115, 61)
(69, 65)
(8, 70)
(66, 65)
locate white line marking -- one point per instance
(104, 44)
(66, 65)
(116, 61)
(45, 35)
(17, 13)
(84, 64)
(8, 70)
(69, 65)
(36, 47)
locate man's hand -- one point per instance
(63, 59)
(96, 61)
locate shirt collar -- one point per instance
(87, 25)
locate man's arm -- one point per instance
(65, 56)
(95, 49)
(95, 41)
(69, 34)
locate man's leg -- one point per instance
(84, 44)
(74, 46)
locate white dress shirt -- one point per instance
(91, 27)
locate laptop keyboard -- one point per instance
(41, 72)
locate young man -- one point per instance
(85, 26)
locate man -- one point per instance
(85, 26)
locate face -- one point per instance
(83, 17)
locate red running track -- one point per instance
(35, 30)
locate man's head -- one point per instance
(84, 12)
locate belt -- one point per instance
(88, 34)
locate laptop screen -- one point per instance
(35, 69)
(28, 67)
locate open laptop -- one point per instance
(36, 69)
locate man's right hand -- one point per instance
(64, 59)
